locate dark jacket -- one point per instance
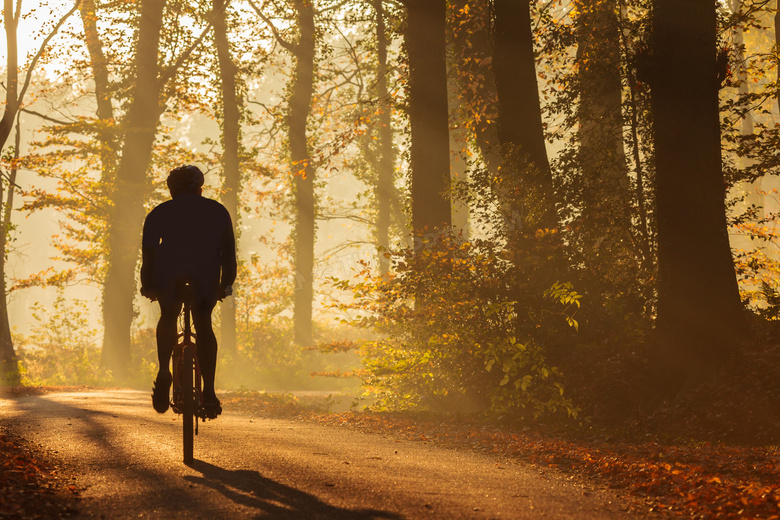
(188, 237)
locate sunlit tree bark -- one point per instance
(231, 139)
(428, 117)
(130, 190)
(385, 191)
(9, 369)
(700, 316)
(301, 93)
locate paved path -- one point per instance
(127, 460)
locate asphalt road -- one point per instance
(127, 460)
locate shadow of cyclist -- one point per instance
(250, 489)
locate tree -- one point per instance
(301, 90)
(130, 190)
(429, 156)
(520, 129)
(14, 99)
(231, 145)
(603, 233)
(700, 317)
(385, 192)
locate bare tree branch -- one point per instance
(43, 47)
(170, 71)
(284, 43)
(45, 117)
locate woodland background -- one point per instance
(552, 210)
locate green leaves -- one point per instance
(449, 334)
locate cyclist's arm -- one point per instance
(149, 242)
(228, 256)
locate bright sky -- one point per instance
(36, 20)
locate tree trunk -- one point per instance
(130, 191)
(700, 317)
(231, 139)
(9, 366)
(429, 156)
(604, 226)
(109, 147)
(303, 171)
(777, 44)
(385, 192)
(514, 68)
(639, 171)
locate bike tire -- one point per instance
(188, 401)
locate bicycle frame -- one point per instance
(187, 391)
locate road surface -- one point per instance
(126, 459)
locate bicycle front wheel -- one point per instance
(188, 400)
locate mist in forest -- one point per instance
(452, 206)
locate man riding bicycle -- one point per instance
(187, 239)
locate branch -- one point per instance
(171, 71)
(45, 117)
(354, 218)
(45, 44)
(284, 43)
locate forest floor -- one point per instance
(690, 479)
(32, 484)
(674, 477)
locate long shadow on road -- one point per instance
(272, 499)
(102, 445)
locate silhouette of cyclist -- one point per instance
(188, 238)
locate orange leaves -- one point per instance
(29, 485)
(703, 481)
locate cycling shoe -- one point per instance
(160, 392)
(211, 408)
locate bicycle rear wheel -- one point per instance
(188, 400)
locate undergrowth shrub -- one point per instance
(448, 333)
(62, 348)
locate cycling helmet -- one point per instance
(185, 179)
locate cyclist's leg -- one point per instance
(207, 345)
(167, 332)
(166, 340)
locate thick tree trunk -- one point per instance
(231, 139)
(604, 226)
(428, 118)
(9, 367)
(520, 128)
(514, 68)
(130, 191)
(385, 192)
(109, 145)
(700, 316)
(303, 171)
(88, 12)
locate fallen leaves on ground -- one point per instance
(703, 480)
(31, 486)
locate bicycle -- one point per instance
(187, 399)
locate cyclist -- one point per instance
(188, 238)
